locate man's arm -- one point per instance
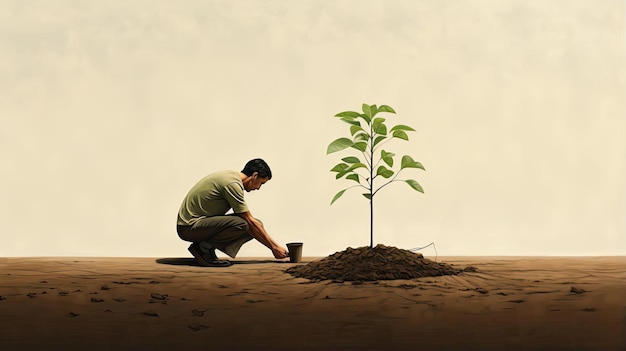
(257, 231)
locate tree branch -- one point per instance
(380, 159)
(367, 160)
(389, 182)
(383, 143)
(364, 178)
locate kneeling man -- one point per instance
(203, 221)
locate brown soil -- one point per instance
(370, 264)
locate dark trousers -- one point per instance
(225, 233)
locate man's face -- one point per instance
(255, 182)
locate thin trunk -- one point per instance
(372, 222)
(372, 189)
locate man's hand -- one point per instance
(257, 231)
(280, 252)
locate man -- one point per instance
(203, 221)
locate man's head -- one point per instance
(257, 173)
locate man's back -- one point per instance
(213, 195)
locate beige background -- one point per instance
(111, 111)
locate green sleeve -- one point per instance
(233, 193)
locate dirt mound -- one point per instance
(369, 264)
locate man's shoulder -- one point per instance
(224, 177)
(224, 173)
(228, 183)
(229, 174)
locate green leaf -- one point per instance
(361, 136)
(354, 177)
(387, 157)
(351, 121)
(379, 139)
(338, 195)
(388, 161)
(338, 145)
(401, 127)
(347, 170)
(400, 134)
(380, 129)
(368, 196)
(385, 108)
(384, 172)
(408, 162)
(374, 110)
(356, 128)
(367, 110)
(351, 159)
(366, 118)
(361, 145)
(356, 166)
(384, 154)
(415, 185)
(352, 114)
(378, 121)
(340, 167)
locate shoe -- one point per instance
(207, 259)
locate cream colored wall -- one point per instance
(110, 111)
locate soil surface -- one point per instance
(124, 303)
(371, 264)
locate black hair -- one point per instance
(259, 166)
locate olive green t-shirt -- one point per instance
(213, 195)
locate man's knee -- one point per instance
(241, 224)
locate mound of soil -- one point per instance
(370, 264)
